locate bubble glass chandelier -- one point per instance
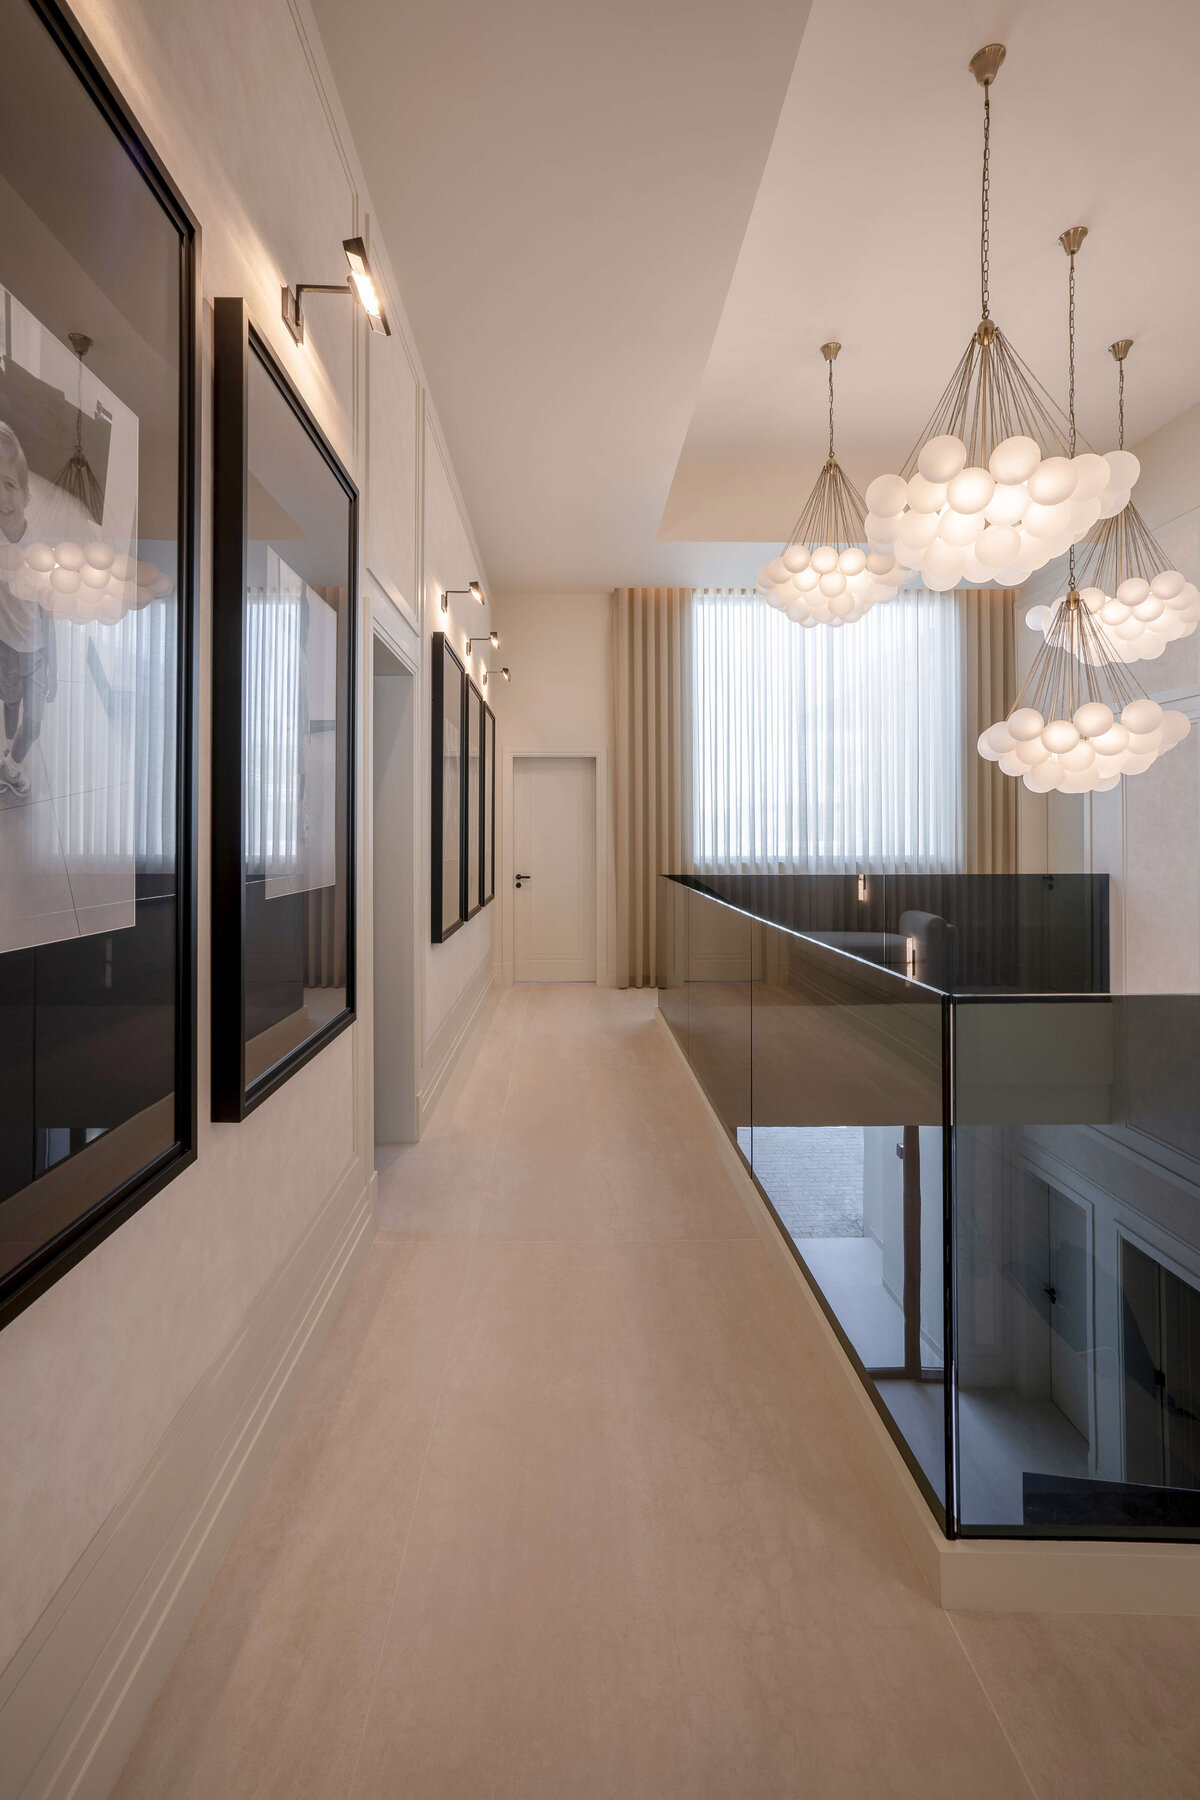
(1124, 577)
(823, 575)
(993, 489)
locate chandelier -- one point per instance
(992, 491)
(823, 575)
(1080, 721)
(1124, 577)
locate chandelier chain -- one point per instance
(985, 241)
(1071, 389)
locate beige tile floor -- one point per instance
(568, 1511)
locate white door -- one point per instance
(554, 867)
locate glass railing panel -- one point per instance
(846, 1143)
(721, 956)
(1077, 1217)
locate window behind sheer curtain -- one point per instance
(824, 750)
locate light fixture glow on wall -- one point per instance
(1080, 721)
(992, 491)
(488, 672)
(823, 575)
(360, 283)
(1124, 577)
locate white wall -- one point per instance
(98, 1373)
(559, 702)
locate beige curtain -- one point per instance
(651, 765)
(989, 688)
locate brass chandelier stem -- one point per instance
(1070, 241)
(985, 209)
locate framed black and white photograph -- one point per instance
(284, 563)
(447, 909)
(488, 872)
(98, 464)
(473, 809)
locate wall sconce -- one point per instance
(488, 672)
(360, 283)
(862, 887)
(491, 637)
(910, 958)
(473, 588)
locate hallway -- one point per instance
(568, 1511)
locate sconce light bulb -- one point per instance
(477, 591)
(495, 640)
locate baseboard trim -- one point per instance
(76, 1694)
(449, 1040)
(981, 1575)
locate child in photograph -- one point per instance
(28, 673)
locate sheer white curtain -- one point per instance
(820, 750)
(275, 675)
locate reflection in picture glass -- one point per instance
(452, 735)
(474, 751)
(295, 748)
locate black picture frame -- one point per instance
(488, 773)
(76, 1236)
(238, 350)
(472, 860)
(448, 789)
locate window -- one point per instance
(820, 750)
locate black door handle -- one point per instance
(521, 878)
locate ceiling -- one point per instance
(563, 189)
(622, 232)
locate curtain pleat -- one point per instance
(989, 687)
(650, 639)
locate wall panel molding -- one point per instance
(77, 1692)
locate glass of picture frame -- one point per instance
(98, 466)
(447, 820)
(489, 805)
(285, 536)
(473, 809)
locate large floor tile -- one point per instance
(646, 1559)
(1096, 1708)
(268, 1696)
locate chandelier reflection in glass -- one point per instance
(1124, 577)
(992, 491)
(823, 575)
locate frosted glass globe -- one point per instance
(1045, 778)
(942, 458)
(1137, 765)
(1080, 758)
(1012, 764)
(1092, 597)
(926, 496)
(100, 555)
(1167, 585)
(97, 580)
(70, 556)
(880, 563)
(1114, 612)
(916, 530)
(1031, 753)
(833, 583)
(1026, 724)
(1106, 783)
(1092, 475)
(1014, 459)
(1133, 590)
(1007, 505)
(960, 529)
(984, 745)
(65, 581)
(852, 561)
(795, 558)
(1128, 632)
(970, 491)
(1175, 726)
(824, 559)
(841, 605)
(1123, 470)
(1000, 737)
(124, 568)
(40, 558)
(943, 565)
(1142, 715)
(1052, 481)
(997, 545)
(806, 580)
(1045, 522)
(888, 495)
(1060, 735)
(1113, 742)
(1093, 718)
(797, 612)
(1112, 502)
(1149, 608)
(776, 571)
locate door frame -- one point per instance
(592, 753)
(391, 629)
